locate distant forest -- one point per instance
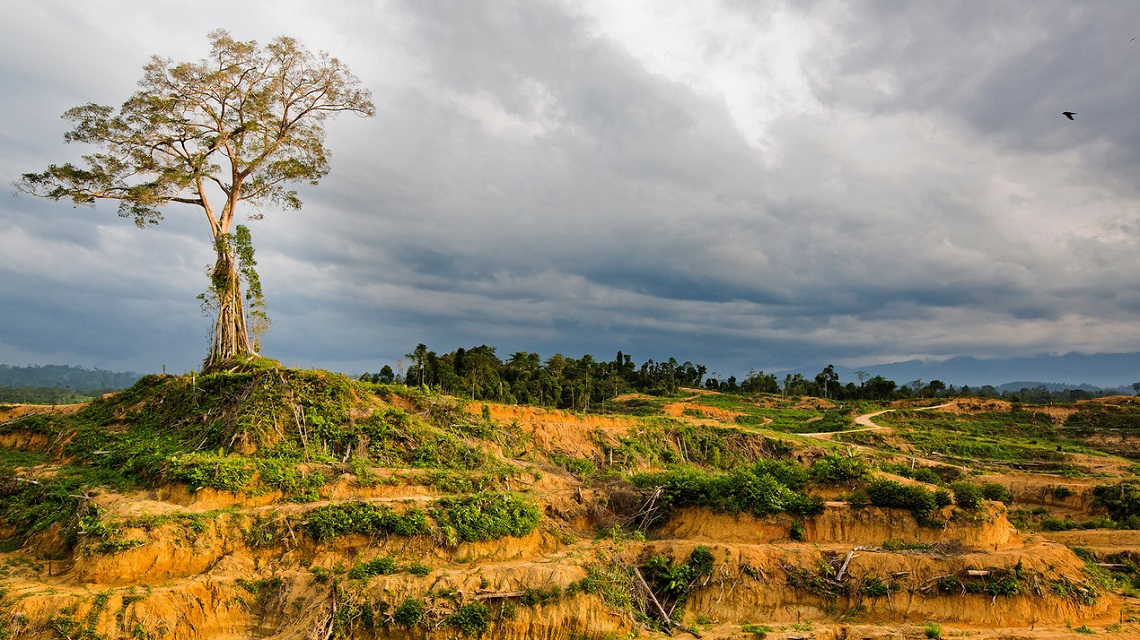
(58, 384)
(586, 383)
(583, 383)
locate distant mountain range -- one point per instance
(1105, 371)
(77, 379)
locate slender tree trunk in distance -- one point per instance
(231, 335)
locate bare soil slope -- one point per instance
(174, 561)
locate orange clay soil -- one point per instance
(193, 567)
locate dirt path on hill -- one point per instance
(867, 422)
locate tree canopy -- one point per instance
(240, 126)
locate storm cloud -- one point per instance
(745, 185)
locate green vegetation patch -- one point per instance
(1122, 501)
(760, 489)
(835, 469)
(472, 618)
(486, 516)
(364, 518)
(920, 501)
(1015, 437)
(379, 566)
(658, 442)
(672, 582)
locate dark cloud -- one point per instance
(743, 185)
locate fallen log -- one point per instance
(846, 561)
(669, 624)
(492, 595)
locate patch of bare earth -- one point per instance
(193, 578)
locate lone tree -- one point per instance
(237, 127)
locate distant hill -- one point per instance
(1055, 387)
(78, 379)
(1116, 371)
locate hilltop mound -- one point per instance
(278, 503)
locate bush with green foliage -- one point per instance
(951, 585)
(472, 618)
(211, 470)
(996, 492)
(754, 489)
(487, 516)
(612, 582)
(364, 518)
(759, 631)
(967, 495)
(1004, 583)
(410, 612)
(581, 467)
(1122, 501)
(919, 500)
(379, 566)
(673, 582)
(836, 469)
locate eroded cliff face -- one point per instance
(202, 578)
(842, 524)
(171, 562)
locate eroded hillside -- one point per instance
(275, 503)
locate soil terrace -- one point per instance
(184, 582)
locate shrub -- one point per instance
(381, 566)
(835, 469)
(950, 585)
(942, 498)
(933, 630)
(758, 489)
(487, 516)
(787, 472)
(925, 474)
(472, 619)
(410, 613)
(532, 597)
(1062, 492)
(1122, 500)
(995, 491)
(675, 581)
(760, 631)
(215, 471)
(967, 495)
(858, 498)
(417, 568)
(325, 523)
(874, 588)
(581, 467)
(888, 493)
(1004, 584)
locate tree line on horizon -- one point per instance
(584, 383)
(587, 383)
(569, 383)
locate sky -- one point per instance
(743, 184)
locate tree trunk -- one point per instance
(231, 334)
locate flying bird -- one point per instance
(1069, 114)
